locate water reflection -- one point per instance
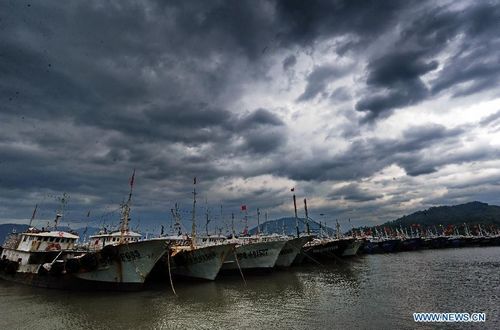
(375, 291)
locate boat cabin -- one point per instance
(97, 242)
(46, 241)
(35, 247)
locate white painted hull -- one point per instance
(132, 263)
(258, 255)
(291, 250)
(203, 262)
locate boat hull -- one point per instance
(130, 264)
(201, 263)
(66, 282)
(327, 250)
(254, 256)
(290, 251)
(352, 249)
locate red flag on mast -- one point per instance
(243, 207)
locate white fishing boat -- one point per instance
(199, 261)
(120, 259)
(196, 257)
(254, 253)
(38, 257)
(291, 249)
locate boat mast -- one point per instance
(258, 221)
(267, 231)
(33, 216)
(307, 217)
(60, 213)
(296, 218)
(207, 221)
(177, 218)
(232, 224)
(193, 227)
(126, 209)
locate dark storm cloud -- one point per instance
(394, 77)
(91, 90)
(289, 62)
(318, 80)
(395, 81)
(355, 193)
(491, 120)
(306, 22)
(365, 157)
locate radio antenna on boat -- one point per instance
(307, 217)
(60, 213)
(207, 221)
(296, 218)
(126, 209)
(232, 224)
(258, 221)
(33, 216)
(177, 219)
(193, 228)
(266, 231)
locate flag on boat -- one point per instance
(243, 207)
(194, 180)
(293, 189)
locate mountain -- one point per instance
(6, 229)
(287, 226)
(470, 213)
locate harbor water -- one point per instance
(368, 292)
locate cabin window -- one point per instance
(45, 239)
(24, 238)
(51, 239)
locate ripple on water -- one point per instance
(372, 291)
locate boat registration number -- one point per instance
(252, 254)
(130, 255)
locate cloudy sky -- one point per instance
(370, 109)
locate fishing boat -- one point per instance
(197, 257)
(38, 257)
(254, 253)
(199, 261)
(120, 259)
(353, 248)
(291, 250)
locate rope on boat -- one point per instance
(238, 264)
(170, 273)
